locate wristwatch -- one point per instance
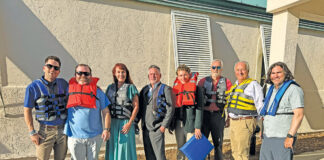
(108, 129)
(290, 136)
(32, 132)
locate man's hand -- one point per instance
(105, 135)
(289, 142)
(162, 129)
(198, 134)
(35, 138)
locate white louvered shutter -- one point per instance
(192, 41)
(266, 40)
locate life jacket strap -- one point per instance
(121, 111)
(90, 94)
(288, 113)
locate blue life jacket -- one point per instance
(50, 106)
(161, 103)
(275, 104)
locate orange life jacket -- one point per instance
(82, 95)
(186, 92)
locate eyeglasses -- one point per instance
(218, 67)
(49, 66)
(84, 73)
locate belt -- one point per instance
(243, 118)
(51, 127)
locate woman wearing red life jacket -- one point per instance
(189, 107)
(124, 106)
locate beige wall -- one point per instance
(236, 39)
(308, 72)
(102, 33)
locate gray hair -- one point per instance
(247, 67)
(288, 74)
(155, 66)
(218, 60)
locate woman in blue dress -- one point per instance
(123, 96)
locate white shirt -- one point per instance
(254, 90)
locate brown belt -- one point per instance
(243, 118)
(51, 127)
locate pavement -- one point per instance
(314, 155)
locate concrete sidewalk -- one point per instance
(314, 155)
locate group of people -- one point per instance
(77, 115)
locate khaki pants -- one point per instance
(53, 139)
(241, 132)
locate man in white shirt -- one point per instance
(244, 102)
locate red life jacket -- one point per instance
(82, 95)
(186, 92)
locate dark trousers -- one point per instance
(154, 146)
(214, 123)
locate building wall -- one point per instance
(308, 69)
(101, 33)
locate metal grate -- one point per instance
(266, 41)
(192, 41)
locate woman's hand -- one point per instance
(126, 128)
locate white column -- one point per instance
(284, 39)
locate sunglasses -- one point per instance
(84, 73)
(49, 66)
(218, 67)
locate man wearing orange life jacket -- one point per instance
(189, 107)
(215, 86)
(84, 123)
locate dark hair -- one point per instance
(83, 65)
(288, 74)
(53, 58)
(122, 67)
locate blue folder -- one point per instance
(197, 149)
